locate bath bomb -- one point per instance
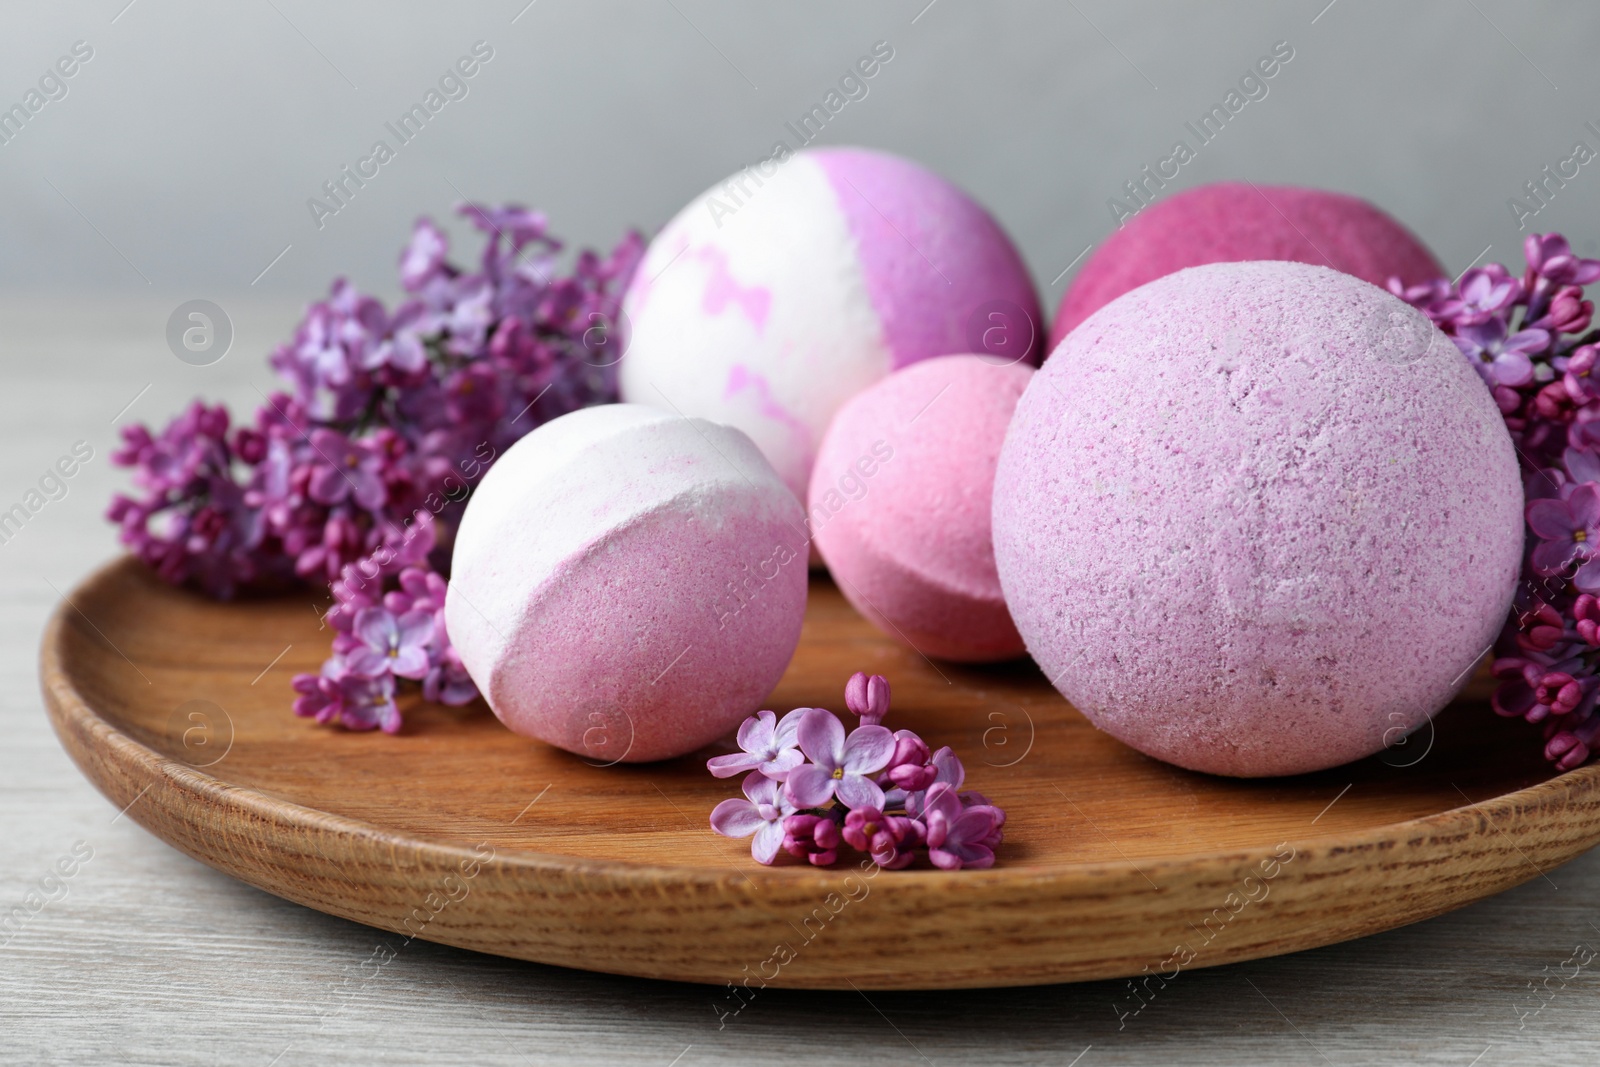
(1230, 222)
(628, 584)
(777, 295)
(899, 504)
(1257, 518)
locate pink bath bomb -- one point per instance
(627, 584)
(780, 293)
(899, 504)
(1230, 222)
(1257, 518)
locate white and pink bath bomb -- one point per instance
(628, 584)
(899, 504)
(1257, 518)
(780, 293)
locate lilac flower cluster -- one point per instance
(357, 476)
(812, 787)
(1530, 339)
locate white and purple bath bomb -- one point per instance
(1257, 518)
(777, 295)
(899, 504)
(627, 584)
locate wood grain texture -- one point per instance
(459, 832)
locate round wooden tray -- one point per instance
(460, 832)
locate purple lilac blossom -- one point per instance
(841, 765)
(814, 788)
(1530, 339)
(355, 475)
(767, 744)
(761, 813)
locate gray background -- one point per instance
(187, 149)
(195, 136)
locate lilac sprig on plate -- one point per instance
(1530, 339)
(812, 788)
(356, 477)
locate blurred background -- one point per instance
(176, 163)
(181, 159)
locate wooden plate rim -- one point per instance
(276, 830)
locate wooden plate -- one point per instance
(460, 832)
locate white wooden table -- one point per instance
(145, 956)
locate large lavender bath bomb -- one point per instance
(1231, 222)
(627, 584)
(1256, 518)
(900, 498)
(780, 293)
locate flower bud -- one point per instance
(867, 697)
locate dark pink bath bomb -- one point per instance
(1231, 222)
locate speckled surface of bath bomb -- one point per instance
(1235, 221)
(1254, 518)
(899, 504)
(627, 584)
(780, 293)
